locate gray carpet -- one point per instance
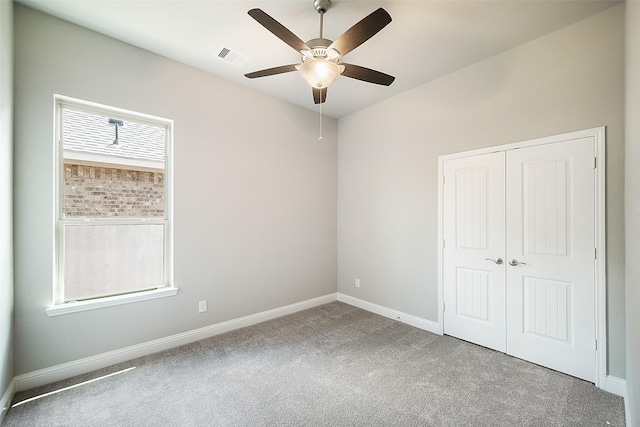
(333, 365)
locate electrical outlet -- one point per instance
(357, 283)
(202, 306)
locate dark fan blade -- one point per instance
(278, 29)
(319, 95)
(272, 71)
(366, 74)
(361, 32)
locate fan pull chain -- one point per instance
(320, 138)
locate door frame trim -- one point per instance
(600, 273)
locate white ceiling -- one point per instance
(425, 40)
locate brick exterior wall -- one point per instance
(94, 191)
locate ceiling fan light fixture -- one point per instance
(320, 73)
(321, 57)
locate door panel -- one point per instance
(473, 231)
(473, 293)
(545, 207)
(471, 207)
(550, 229)
(546, 308)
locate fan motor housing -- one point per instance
(319, 43)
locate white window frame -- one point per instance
(59, 306)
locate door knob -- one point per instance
(497, 261)
(515, 262)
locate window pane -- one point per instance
(112, 168)
(111, 259)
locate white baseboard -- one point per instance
(615, 385)
(409, 319)
(618, 386)
(6, 400)
(88, 364)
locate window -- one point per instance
(113, 206)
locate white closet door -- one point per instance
(550, 234)
(474, 218)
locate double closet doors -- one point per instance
(519, 253)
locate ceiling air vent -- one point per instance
(233, 57)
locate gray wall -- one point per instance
(632, 205)
(569, 80)
(254, 192)
(6, 207)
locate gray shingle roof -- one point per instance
(92, 133)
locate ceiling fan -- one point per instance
(321, 58)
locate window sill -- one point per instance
(73, 307)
